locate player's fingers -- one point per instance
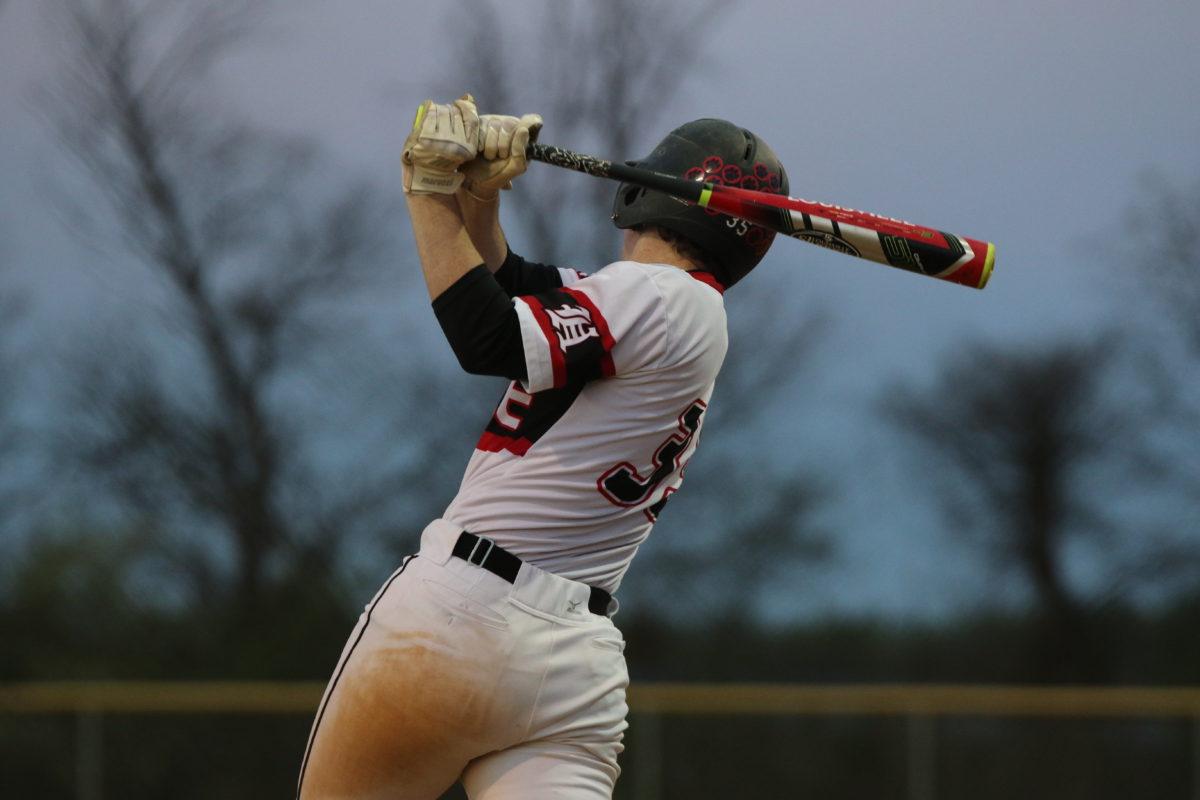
(527, 129)
(518, 143)
(533, 122)
(440, 123)
(495, 142)
(491, 140)
(468, 116)
(510, 125)
(419, 121)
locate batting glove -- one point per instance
(502, 144)
(443, 138)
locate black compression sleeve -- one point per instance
(479, 321)
(518, 276)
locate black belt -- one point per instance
(483, 552)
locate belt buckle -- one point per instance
(491, 544)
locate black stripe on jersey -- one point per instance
(523, 418)
(578, 335)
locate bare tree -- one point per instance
(1157, 258)
(1029, 454)
(600, 74)
(199, 405)
(1163, 253)
(11, 378)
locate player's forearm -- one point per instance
(481, 216)
(443, 243)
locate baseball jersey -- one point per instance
(580, 457)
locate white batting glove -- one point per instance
(502, 143)
(443, 138)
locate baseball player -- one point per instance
(490, 656)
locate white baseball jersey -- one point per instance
(579, 458)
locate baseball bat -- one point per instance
(926, 251)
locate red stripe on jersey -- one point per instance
(707, 278)
(492, 443)
(606, 338)
(558, 360)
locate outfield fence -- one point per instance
(919, 706)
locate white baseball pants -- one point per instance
(454, 673)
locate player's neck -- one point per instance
(648, 248)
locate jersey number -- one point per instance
(624, 486)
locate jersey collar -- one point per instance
(707, 277)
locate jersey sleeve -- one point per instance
(603, 325)
(518, 276)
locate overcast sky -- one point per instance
(1023, 123)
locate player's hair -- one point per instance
(716, 151)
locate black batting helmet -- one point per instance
(707, 150)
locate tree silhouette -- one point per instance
(12, 433)
(600, 75)
(1014, 443)
(1161, 250)
(1157, 258)
(200, 414)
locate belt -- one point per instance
(483, 552)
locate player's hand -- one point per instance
(502, 144)
(443, 138)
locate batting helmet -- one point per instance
(707, 150)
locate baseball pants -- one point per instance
(454, 673)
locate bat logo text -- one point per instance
(826, 240)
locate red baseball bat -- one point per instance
(926, 251)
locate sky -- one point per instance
(1023, 123)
